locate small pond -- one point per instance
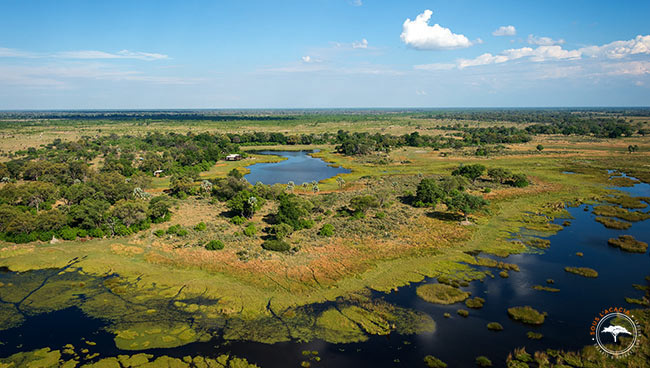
(298, 167)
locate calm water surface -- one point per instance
(298, 167)
(456, 340)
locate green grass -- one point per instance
(613, 223)
(441, 294)
(618, 212)
(526, 315)
(545, 288)
(629, 244)
(582, 271)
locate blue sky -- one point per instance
(322, 53)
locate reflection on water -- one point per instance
(298, 167)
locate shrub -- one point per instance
(200, 226)
(363, 203)
(292, 210)
(306, 223)
(519, 181)
(237, 220)
(96, 233)
(68, 233)
(380, 215)
(276, 245)
(428, 193)
(46, 236)
(159, 233)
(250, 230)
(173, 230)
(122, 230)
(471, 172)
(82, 233)
(326, 230)
(281, 230)
(182, 232)
(214, 245)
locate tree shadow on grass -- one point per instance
(445, 216)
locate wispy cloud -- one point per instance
(505, 31)
(124, 54)
(363, 44)
(83, 54)
(543, 41)
(356, 2)
(419, 35)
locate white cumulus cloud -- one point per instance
(363, 44)
(541, 53)
(420, 35)
(543, 41)
(505, 31)
(616, 50)
(620, 49)
(306, 59)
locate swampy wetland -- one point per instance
(339, 240)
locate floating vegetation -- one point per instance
(627, 201)
(622, 213)
(611, 223)
(433, 362)
(629, 244)
(590, 355)
(527, 315)
(455, 282)
(475, 303)
(504, 274)
(539, 243)
(494, 326)
(462, 312)
(643, 301)
(622, 181)
(579, 254)
(489, 262)
(441, 294)
(545, 288)
(582, 271)
(47, 358)
(534, 335)
(483, 361)
(157, 335)
(550, 281)
(447, 315)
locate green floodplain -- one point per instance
(171, 258)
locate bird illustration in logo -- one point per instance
(615, 330)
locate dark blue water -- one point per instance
(298, 167)
(457, 340)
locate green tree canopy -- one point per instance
(472, 172)
(428, 193)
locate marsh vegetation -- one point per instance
(196, 252)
